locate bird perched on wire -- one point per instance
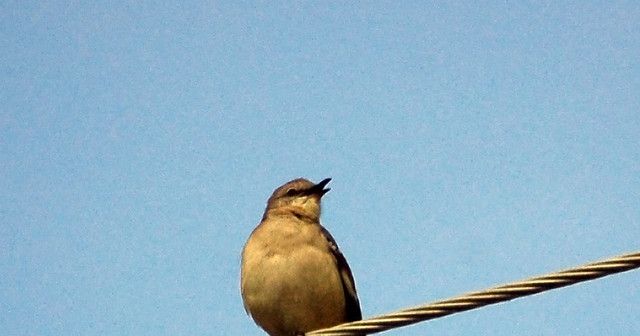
(294, 279)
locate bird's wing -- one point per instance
(353, 312)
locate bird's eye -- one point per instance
(291, 192)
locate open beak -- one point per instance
(319, 189)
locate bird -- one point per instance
(294, 279)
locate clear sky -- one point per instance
(470, 145)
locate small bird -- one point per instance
(294, 279)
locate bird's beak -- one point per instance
(319, 189)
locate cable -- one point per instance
(482, 298)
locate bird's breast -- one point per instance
(293, 281)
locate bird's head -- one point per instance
(299, 196)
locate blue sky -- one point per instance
(470, 145)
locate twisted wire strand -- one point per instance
(482, 298)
